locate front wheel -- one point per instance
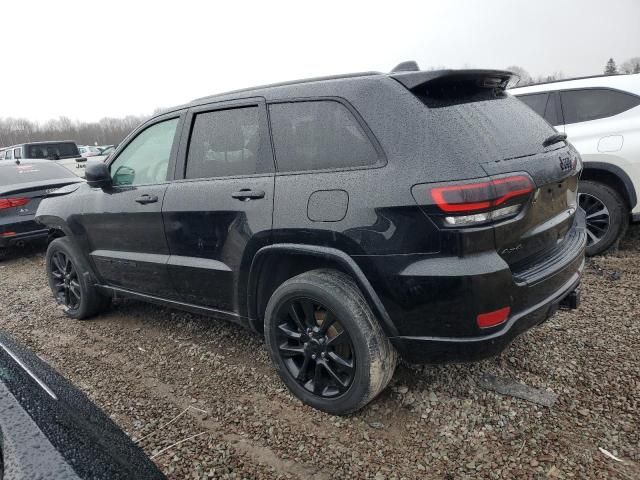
(607, 216)
(325, 342)
(70, 281)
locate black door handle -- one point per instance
(144, 199)
(247, 194)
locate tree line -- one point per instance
(111, 131)
(107, 131)
(629, 66)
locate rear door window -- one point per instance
(318, 135)
(595, 103)
(228, 143)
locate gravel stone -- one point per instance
(145, 366)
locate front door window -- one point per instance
(146, 159)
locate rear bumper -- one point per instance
(25, 231)
(467, 349)
(433, 302)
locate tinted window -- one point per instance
(551, 113)
(489, 124)
(52, 151)
(544, 104)
(11, 174)
(224, 143)
(537, 102)
(595, 103)
(145, 160)
(8, 155)
(318, 135)
(17, 153)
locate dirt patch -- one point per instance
(146, 365)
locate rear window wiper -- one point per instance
(555, 138)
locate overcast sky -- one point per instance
(91, 59)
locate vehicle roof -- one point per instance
(333, 85)
(50, 141)
(628, 83)
(262, 90)
(37, 143)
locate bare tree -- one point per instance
(631, 66)
(107, 131)
(523, 77)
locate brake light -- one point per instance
(491, 319)
(13, 202)
(7, 234)
(478, 202)
(475, 197)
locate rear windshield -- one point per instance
(52, 151)
(484, 124)
(33, 172)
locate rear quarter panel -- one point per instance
(614, 140)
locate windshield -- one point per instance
(52, 151)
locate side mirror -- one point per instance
(97, 175)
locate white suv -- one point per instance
(601, 117)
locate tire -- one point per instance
(602, 235)
(363, 361)
(83, 299)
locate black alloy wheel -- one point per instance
(315, 348)
(597, 217)
(66, 284)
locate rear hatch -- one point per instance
(477, 121)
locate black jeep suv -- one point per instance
(350, 219)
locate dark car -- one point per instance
(23, 184)
(348, 219)
(49, 429)
(52, 150)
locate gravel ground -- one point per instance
(145, 365)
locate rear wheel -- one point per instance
(606, 214)
(70, 281)
(325, 343)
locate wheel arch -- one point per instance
(58, 228)
(613, 176)
(274, 264)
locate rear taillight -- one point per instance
(478, 202)
(13, 202)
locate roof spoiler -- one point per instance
(481, 78)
